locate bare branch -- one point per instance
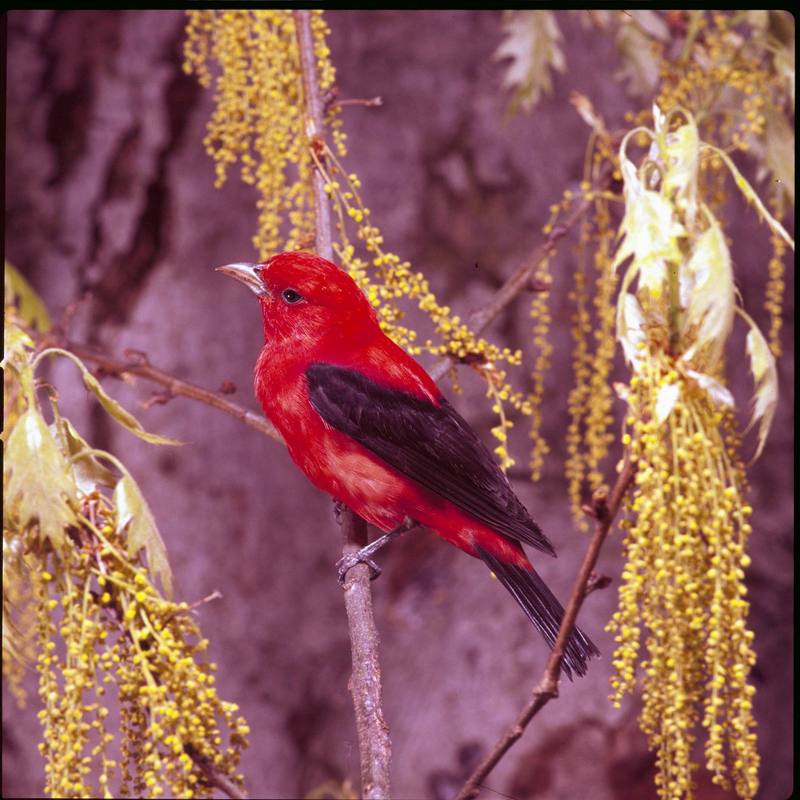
(141, 367)
(365, 682)
(214, 777)
(604, 509)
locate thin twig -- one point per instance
(365, 682)
(519, 282)
(213, 776)
(604, 509)
(175, 387)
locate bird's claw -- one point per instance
(347, 562)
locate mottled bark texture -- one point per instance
(108, 189)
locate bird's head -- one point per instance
(305, 299)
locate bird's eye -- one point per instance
(291, 296)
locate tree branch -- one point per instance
(365, 682)
(520, 281)
(139, 365)
(604, 508)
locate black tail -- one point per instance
(543, 610)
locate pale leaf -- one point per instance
(682, 157)
(765, 377)
(640, 66)
(651, 23)
(779, 156)
(134, 514)
(630, 332)
(651, 233)
(37, 480)
(668, 395)
(718, 393)
(710, 291)
(532, 46)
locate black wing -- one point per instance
(430, 443)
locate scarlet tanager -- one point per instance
(368, 425)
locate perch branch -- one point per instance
(365, 682)
(604, 508)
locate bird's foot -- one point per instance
(348, 561)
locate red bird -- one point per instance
(368, 425)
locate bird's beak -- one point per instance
(247, 274)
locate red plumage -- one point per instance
(367, 424)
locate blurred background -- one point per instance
(109, 191)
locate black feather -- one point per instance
(543, 610)
(432, 444)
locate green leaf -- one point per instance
(37, 480)
(708, 293)
(89, 472)
(532, 45)
(31, 308)
(120, 414)
(134, 514)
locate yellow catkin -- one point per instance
(258, 122)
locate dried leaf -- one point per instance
(532, 43)
(37, 480)
(708, 292)
(134, 514)
(667, 397)
(583, 105)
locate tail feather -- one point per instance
(543, 610)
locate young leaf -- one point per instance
(120, 414)
(719, 394)
(751, 195)
(765, 376)
(629, 327)
(37, 479)
(134, 513)
(682, 157)
(707, 285)
(532, 43)
(89, 472)
(668, 395)
(31, 308)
